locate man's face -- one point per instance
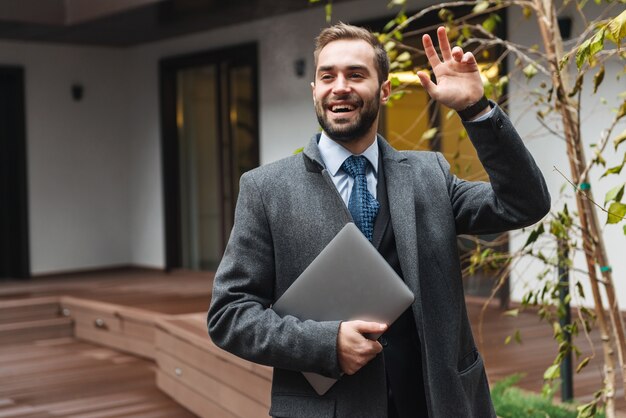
(346, 91)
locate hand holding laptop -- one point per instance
(348, 281)
(354, 349)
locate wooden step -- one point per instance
(20, 310)
(70, 378)
(42, 329)
(207, 380)
(121, 327)
(23, 320)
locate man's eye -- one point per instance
(356, 75)
(326, 77)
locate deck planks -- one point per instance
(69, 378)
(51, 376)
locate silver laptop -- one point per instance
(348, 280)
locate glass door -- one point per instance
(214, 141)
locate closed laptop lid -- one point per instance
(348, 280)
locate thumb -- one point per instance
(363, 327)
(427, 83)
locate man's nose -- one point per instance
(341, 85)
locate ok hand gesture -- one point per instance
(458, 79)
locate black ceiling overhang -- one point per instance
(153, 22)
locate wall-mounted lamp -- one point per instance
(77, 92)
(299, 66)
(565, 27)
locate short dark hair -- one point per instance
(343, 31)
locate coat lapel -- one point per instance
(314, 164)
(401, 196)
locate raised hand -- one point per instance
(354, 350)
(458, 79)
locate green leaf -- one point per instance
(512, 313)
(329, 11)
(405, 56)
(299, 150)
(445, 15)
(597, 79)
(518, 336)
(616, 28)
(429, 134)
(393, 3)
(528, 12)
(530, 71)
(480, 7)
(389, 25)
(401, 18)
(614, 170)
(491, 22)
(582, 54)
(597, 43)
(507, 340)
(557, 229)
(578, 85)
(615, 194)
(617, 211)
(624, 229)
(389, 45)
(582, 364)
(552, 372)
(534, 235)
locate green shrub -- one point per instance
(512, 402)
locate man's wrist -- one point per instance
(475, 110)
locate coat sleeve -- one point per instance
(240, 319)
(515, 197)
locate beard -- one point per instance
(343, 129)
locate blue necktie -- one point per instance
(362, 205)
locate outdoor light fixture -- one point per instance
(299, 66)
(77, 92)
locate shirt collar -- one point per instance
(334, 154)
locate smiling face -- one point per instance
(347, 93)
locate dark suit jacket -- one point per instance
(289, 210)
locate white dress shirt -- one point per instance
(333, 156)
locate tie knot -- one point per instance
(355, 165)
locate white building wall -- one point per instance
(77, 155)
(95, 180)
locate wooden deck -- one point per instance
(52, 374)
(67, 378)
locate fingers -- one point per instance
(457, 53)
(469, 58)
(363, 327)
(354, 350)
(447, 54)
(427, 83)
(444, 44)
(429, 50)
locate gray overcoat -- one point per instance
(289, 210)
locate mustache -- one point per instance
(350, 98)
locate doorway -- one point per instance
(14, 245)
(209, 106)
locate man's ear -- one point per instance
(385, 91)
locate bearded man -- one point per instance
(426, 363)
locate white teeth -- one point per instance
(342, 108)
